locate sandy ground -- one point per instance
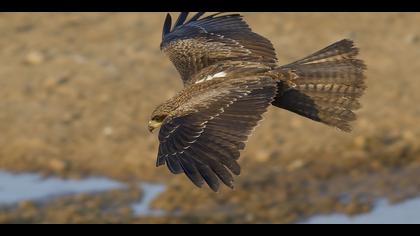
(76, 92)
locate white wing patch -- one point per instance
(210, 77)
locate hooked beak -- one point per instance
(153, 125)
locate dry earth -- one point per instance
(76, 92)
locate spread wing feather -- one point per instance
(199, 42)
(205, 144)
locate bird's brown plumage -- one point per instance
(230, 77)
(202, 42)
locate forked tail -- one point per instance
(324, 86)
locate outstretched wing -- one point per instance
(199, 42)
(205, 142)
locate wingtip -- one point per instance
(216, 190)
(196, 17)
(167, 25)
(181, 19)
(231, 185)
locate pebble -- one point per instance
(57, 165)
(34, 58)
(262, 156)
(360, 142)
(296, 164)
(108, 131)
(412, 39)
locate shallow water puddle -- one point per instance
(407, 212)
(150, 191)
(19, 187)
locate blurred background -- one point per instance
(77, 90)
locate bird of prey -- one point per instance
(231, 76)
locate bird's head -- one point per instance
(156, 119)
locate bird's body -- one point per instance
(231, 76)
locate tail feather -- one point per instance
(324, 86)
(338, 51)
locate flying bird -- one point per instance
(231, 76)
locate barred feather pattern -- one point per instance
(324, 86)
(205, 144)
(231, 77)
(202, 42)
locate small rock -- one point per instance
(296, 164)
(108, 131)
(52, 82)
(69, 117)
(57, 165)
(413, 38)
(34, 58)
(360, 142)
(262, 156)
